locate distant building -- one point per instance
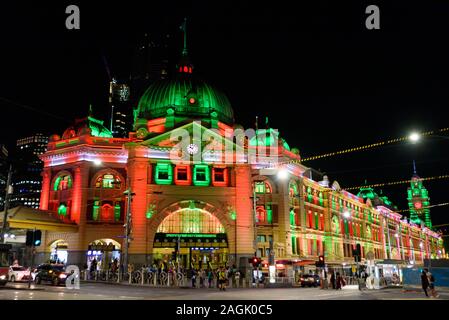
(3, 174)
(119, 101)
(27, 178)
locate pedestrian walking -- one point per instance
(424, 282)
(193, 278)
(210, 278)
(432, 290)
(333, 281)
(222, 279)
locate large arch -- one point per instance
(218, 217)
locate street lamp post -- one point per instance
(6, 206)
(127, 226)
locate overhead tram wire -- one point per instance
(428, 207)
(392, 183)
(29, 108)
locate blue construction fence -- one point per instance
(412, 276)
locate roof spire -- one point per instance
(183, 27)
(184, 65)
(414, 167)
(90, 110)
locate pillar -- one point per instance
(138, 173)
(245, 214)
(45, 192)
(284, 216)
(78, 212)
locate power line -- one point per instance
(428, 207)
(27, 107)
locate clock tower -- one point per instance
(418, 201)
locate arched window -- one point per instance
(62, 209)
(107, 212)
(293, 189)
(191, 221)
(262, 187)
(108, 181)
(63, 182)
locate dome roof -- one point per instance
(187, 96)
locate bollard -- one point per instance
(155, 279)
(86, 272)
(142, 280)
(168, 279)
(96, 275)
(118, 277)
(107, 275)
(129, 277)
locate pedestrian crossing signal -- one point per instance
(33, 238)
(320, 262)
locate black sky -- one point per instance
(324, 80)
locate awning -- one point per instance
(28, 218)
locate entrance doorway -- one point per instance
(191, 238)
(102, 253)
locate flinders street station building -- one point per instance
(190, 187)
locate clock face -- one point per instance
(192, 148)
(418, 205)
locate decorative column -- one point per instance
(245, 214)
(45, 191)
(137, 176)
(78, 212)
(284, 216)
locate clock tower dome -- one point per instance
(418, 201)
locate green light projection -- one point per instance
(62, 210)
(201, 175)
(163, 174)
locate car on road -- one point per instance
(310, 280)
(18, 273)
(53, 273)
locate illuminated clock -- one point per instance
(192, 148)
(418, 205)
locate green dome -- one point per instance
(187, 96)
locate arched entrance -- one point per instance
(58, 251)
(191, 237)
(103, 252)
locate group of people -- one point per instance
(428, 283)
(221, 274)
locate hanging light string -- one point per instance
(392, 183)
(428, 207)
(372, 146)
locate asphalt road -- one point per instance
(99, 291)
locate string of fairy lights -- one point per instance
(373, 145)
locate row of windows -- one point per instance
(183, 175)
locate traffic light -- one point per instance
(320, 262)
(34, 238)
(255, 261)
(37, 238)
(357, 253)
(29, 239)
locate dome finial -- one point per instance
(90, 110)
(414, 167)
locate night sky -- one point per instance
(325, 81)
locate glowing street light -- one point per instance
(346, 214)
(414, 137)
(97, 162)
(282, 174)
